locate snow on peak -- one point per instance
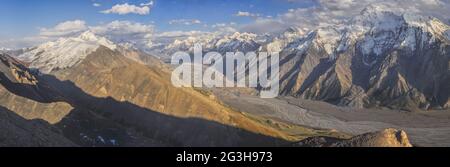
(215, 42)
(64, 52)
(187, 44)
(91, 37)
(243, 42)
(376, 30)
(378, 18)
(279, 41)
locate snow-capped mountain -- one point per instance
(217, 42)
(207, 41)
(242, 42)
(278, 42)
(65, 52)
(5, 49)
(378, 58)
(214, 41)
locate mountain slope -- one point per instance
(378, 58)
(32, 98)
(142, 97)
(18, 132)
(121, 97)
(33, 105)
(22, 93)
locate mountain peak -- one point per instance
(92, 37)
(88, 35)
(65, 52)
(242, 36)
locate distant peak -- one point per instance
(374, 8)
(88, 35)
(65, 52)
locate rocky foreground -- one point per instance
(385, 138)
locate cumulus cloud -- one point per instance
(63, 29)
(332, 11)
(96, 5)
(122, 28)
(66, 28)
(225, 27)
(135, 33)
(123, 9)
(126, 31)
(329, 12)
(22, 42)
(117, 31)
(185, 21)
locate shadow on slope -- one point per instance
(19, 132)
(38, 92)
(163, 130)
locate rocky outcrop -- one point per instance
(22, 93)
(384, 138)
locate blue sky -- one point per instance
(20, 18)
(25, 23)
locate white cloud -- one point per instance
(324, 13)
(327, 12)
(151, 3)
(63, 29)
(123, 27)
(22, 42)
(96, 4)
(185, 21)
(66, 28)
(123, 9)
(174, 34)
(126, 31)
(117, 31)
(224, 27)
(247, 14)
(263, 25)
(332, 11)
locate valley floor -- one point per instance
(430, 128)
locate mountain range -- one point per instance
(108, 98)
(87, 90)
(379, 58)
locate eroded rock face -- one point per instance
(22, 93)
(378, 59)
(384, 138)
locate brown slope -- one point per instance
(25, 94)
(143, 97)
(18, 132)
(22, 93)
